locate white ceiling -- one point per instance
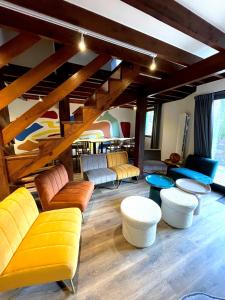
(212, 11)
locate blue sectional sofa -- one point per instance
(196, 167)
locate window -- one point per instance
(218, 144)
(149, 123)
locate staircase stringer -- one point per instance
(52, 149)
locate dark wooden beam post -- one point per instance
(66, 158)
(156, 126)
(140, 131)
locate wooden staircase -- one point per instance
(22, 165)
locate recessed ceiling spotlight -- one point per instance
(135, 107)
(40, 99)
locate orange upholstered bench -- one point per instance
(56, 191)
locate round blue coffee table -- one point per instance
(158, 182)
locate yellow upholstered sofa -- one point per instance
(36, 248)
(118, 162)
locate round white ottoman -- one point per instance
(140, 217)
(178, 207)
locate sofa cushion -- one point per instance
(206, 166)
(18, 212)
(73, 194)
(94, 161)
(151, 166)
(177, 173)
(49, 251)
(125, 171)
(117, 158)
(102, 175)
(50, 182)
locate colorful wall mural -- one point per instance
(46, 126)
(113, 123)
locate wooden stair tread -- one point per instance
(72, 122)
(49, 138)
(22, 156)
(89, 106)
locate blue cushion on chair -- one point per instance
(177, 173)
(101, 175)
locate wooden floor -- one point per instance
(179, 262)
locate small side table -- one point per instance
(193, 187)
(158, 182)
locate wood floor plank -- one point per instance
(179, 262)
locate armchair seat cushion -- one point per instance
(125, 171)
(151, 166)
(73, 194)
(56, 191)
(48, 252)
(101, 175)
(177, 173)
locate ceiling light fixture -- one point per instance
(153, 65)
(55, 21)
(40, 99)
(82, 45)
(135, 107)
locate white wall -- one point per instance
(170, 117)
(125, 115)
(169, 125)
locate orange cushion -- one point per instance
(73, 194)
(50, 182)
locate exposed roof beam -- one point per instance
(78, 16)
(16, 46)
(195, 72)
(15, 20)
(125, 98)
(179, 17)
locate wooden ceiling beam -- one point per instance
(64, 89)
(16, 46)
(76, 101)
(181, 18)
(78, 16)
(13, 20)
(35, 75)
(193, 73)
(125, 98)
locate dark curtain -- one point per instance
(156, 126)
(203, 125)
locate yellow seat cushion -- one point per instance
(48, 252)
(117, 158)
(125, 171)
(18, 212)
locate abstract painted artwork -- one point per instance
(47, 125)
